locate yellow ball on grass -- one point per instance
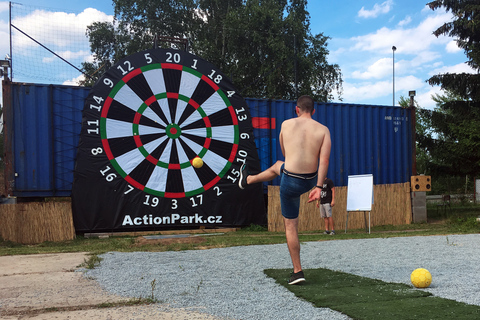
(197, 162)
(421, 278)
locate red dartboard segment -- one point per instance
(172, 66)
(172, 95)
(174, 166)
(138, 141)
(207, 122)
(152, 159)
(193, 104)
(151, 100)
(107, 149)
(174, 195)
(206, 145)
(132, 74)
(134, 183)
(210, 82)
(234, 153)
(136, 120)
(106, 106)
(212, 183)
(234, 116)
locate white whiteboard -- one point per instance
(360, 193)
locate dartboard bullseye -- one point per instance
(144, 122)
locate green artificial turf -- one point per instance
(370, 299)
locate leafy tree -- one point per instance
(136, 25)
(266, 46)
(453, 140)
(422, 129)
(465, 28)
(455, 146)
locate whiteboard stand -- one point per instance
(360, 196)
(367, 229)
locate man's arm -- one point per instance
(324, 159)
(333, 197)
(280, 138)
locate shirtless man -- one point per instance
(306, 145)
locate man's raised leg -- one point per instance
(266, 175)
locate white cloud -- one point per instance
(408, 83)
(452, 47)
(365, 91)
(377, 70)
(4, 6)
(57, 29)
(458, 68)
(68, 55)
(74, 81)
(424, 99)
(405, 21)
(4, 43)
(377, 10)
(407, 41)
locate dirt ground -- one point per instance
(46, 286)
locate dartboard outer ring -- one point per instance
(152, 113)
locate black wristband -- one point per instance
(319, 187)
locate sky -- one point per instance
(362, 34)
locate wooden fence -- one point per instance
(392, 206)
(31, 223)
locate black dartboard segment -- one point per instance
(144, 122)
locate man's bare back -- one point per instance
(306, 146)
(302, 139)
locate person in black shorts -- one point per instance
(326, 203)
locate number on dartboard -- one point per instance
(129, 67)
(217, 79)
(217, 189)
(108, 176)
(151, 201)
(198, 200)
(173, 57)
(148, 58)
(108, 82)
(96, 151)
(130, 188)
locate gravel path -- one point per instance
(229, 283)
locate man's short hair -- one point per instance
(306, 104)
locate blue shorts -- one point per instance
(292, 186)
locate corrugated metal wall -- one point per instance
(365, 138)
(47, 122)
(46, 126)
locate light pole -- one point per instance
(393, 49)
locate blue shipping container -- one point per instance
(45, 125)
(45, 129)
(366, 139)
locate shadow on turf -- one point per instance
(370, 299)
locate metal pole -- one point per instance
(413, 118)
(10, 29)
(393, 49)
(295, 65)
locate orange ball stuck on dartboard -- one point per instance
(197, 162)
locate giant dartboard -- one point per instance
(144, 122)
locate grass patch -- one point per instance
(365, 298)
(460, 220)
(92, 262)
